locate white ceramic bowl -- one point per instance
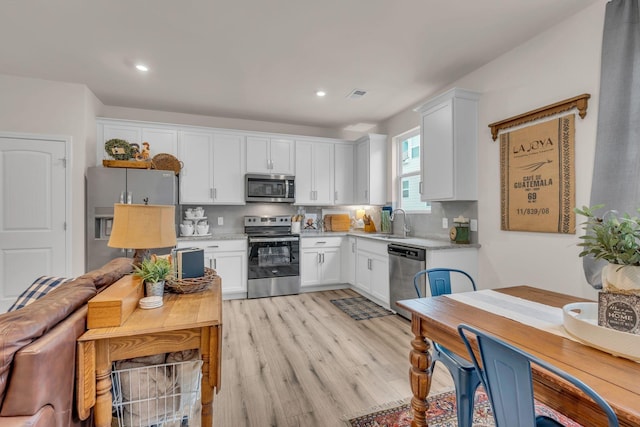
(581, 321)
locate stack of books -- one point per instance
(189, 263)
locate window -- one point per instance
(408, 172)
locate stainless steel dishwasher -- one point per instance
(404, 263)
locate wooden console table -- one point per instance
(184, 322)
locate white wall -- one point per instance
(43, 107)
(561, 63)
(217, 122)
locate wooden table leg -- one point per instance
(419, 373)
(208, 348)
(102, 412)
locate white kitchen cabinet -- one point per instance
(371, 170)
(214, 168)
(161, 138)
(315, 173)
(267, 155)
(344, 175)
(349, 260)
(321, 261)
(463, 258)
(448, 146)
(372, 270)
(229, 259)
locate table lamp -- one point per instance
(142, 227)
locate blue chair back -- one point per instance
(507, 379)
(439, 280)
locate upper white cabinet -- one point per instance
(270, 155)
(344, 174)
(315, 173)
(214, 168)
(448, 146)
(371, 170)
(161, 138)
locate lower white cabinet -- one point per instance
(349, 260)
(229, 259)
(321, 261)
(372, 270)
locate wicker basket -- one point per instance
(166, 162)
(189, 286)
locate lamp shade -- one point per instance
(143, 226)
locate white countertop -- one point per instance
(421, 242)
(221, 236)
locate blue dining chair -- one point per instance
(465, 377)
(507, 379)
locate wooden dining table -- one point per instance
(616, 379)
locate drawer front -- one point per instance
(320, 242)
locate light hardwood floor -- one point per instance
(300, 361)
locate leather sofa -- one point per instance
(38, 351)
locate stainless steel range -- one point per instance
(273, 256)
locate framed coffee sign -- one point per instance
(537, 177)
(537, 174)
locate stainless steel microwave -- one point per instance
(270, 188)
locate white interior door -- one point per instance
(33, 188)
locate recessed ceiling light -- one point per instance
(321, 93)
(142, 67)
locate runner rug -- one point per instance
(441, 413)
(360, 308)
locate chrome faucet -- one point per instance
(405, 224)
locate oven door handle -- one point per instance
(272, 239)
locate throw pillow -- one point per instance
(37, 290)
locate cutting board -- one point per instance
(337, 222)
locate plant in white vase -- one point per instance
(613, 238)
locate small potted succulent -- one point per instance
(153, 271)
(613, 238)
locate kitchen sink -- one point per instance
(390, 236)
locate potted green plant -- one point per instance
(153, 271)
(613, 238)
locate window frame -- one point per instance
(398, 147)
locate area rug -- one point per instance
(360, 308)
(441, 413)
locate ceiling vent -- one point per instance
(357, 93)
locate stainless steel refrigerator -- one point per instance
(106, 186)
